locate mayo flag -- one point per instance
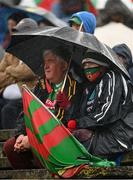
(51, 142)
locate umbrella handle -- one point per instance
(64, 82)
(81, 26)
(65, 78)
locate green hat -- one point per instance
(75, 20)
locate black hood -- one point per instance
(123, 50)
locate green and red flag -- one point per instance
(51, 142)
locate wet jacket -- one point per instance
(108, 111)
(72, 90)
(12, 70)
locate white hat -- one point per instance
(95, 61)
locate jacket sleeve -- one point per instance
(5, 77)
(8, 60)
(21, 72)
(107, 104)
(21, 129)
(5, 80)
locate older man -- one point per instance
(63, 105)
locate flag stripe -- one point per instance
(44, 153)
(42, 130)
(27, 98)
(56, 134)
(40, 116)
(55, 137)
(34, 105)
(28, 123)
(40, 148)
(47, 127)
(72, 152)
(33, 129)
(44, 162)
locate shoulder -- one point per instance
(114, 79)
(111, 74)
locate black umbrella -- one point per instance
(29, 46)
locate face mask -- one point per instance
(92, 73)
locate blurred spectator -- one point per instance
(84, 18)
(14, 73)
(125, 55)
(26, 24)
(115, 11)
(86, 22)
(65, 8)
(12, 21)
(3, 12)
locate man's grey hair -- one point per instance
(61, 52)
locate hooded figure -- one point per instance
(104, 124)
(87, 18)
(125, 55)
(86, 22)
(124, 51)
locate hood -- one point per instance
(88, 19)
(123, 50)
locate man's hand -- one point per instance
(25, 143)
(62, 100)
(19, 140)
(22, 143)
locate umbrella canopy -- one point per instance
(29, 46)
(43, 13)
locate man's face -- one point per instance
(123, 60)
(77, 27)
(11, 25)
(54, 68)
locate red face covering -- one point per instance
(93, 77)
